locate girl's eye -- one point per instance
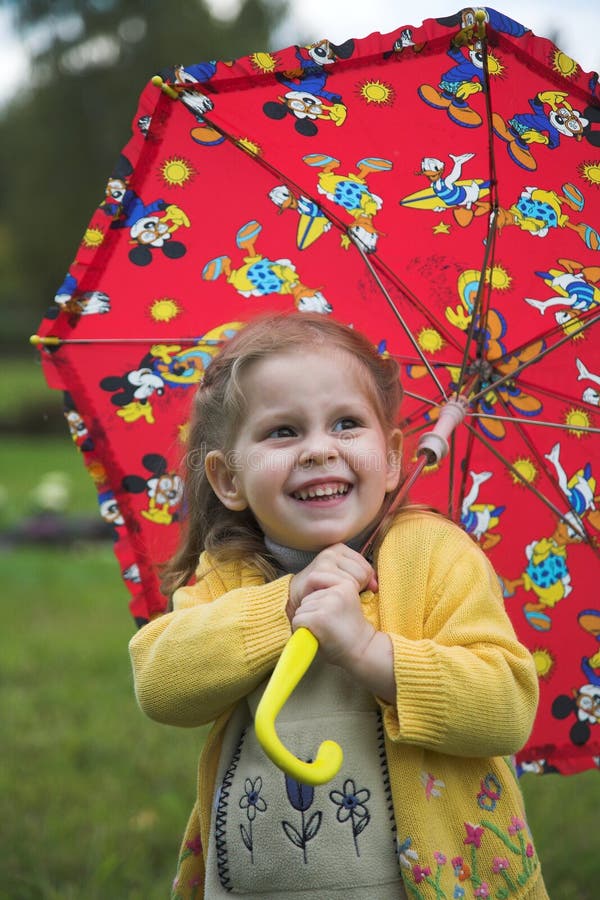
(283, 431)
(345, 424)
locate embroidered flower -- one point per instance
(420, 873)
(474, 834)
(529, 851)
(405, 854)
(300, 795)
(251, 801)
(516, 825)
(195, 845)
(461, 869)
(499, 864)
(439, 858)
(459, 892)
(351, 802)
(482, 891)
(351, 806)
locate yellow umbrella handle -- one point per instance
(292, 665)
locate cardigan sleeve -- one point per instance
(465, 685)
(221, 640)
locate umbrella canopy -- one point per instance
(438, 188)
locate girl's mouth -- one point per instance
(322, 491)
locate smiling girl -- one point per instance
(295, 459)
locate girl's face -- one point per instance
(311, 459)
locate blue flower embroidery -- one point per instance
(352, 806)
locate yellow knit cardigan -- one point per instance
(466, 698)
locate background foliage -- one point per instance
(61, 134)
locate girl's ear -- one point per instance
(224, 481)
(394, 460)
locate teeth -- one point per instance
(326, 491)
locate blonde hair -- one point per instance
(217, 411)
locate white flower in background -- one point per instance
(53, 492)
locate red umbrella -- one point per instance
(437, 187)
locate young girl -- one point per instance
(294, 460)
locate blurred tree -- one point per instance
(62, 132)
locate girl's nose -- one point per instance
(318, 451)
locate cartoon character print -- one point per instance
(550, 120)
(77, 427)
(132, 391)
(260, 277)
(307, 98)
(538, 211)
(196, 102)
(579, 489)
(584, 703)
(402, 43)
(465, 19)
(312, 222)
(457, 85)
(590, 394)
(351, 192)
(151, 225)
(165, 366)
(546, 574)
(449, 190)
(575, 286)
(132, 574)
(77, 303)
(109, 510)
(163, 490)
(478, 519)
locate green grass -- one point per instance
(23, 385)
(93, 796)
(23, 464)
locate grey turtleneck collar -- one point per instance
(290, 560)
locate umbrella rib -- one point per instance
(510, 376)
(577, 526)
(490, 242)
(549, 333)
(401, 321)
(588, 429)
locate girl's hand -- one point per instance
(334, 615)
(335, 565)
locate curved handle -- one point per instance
(293, 663)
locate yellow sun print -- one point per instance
(93, 237)
(378, 92)
(544, 662)
(591, 171)
(495, 67)
(264, 62)
(577, 419)
(525, 468)
(164, 309)
(499, 278)
(250, 147)
(177, 171)
(563, 64)
(430, 340)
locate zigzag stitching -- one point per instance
(385, 773)
(221, 817)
